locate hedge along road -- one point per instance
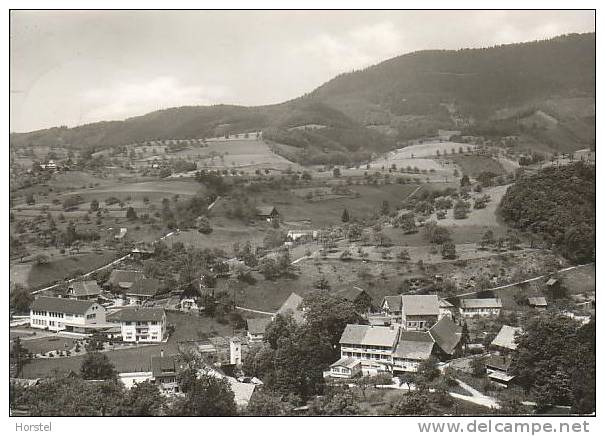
(48, 288)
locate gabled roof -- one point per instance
(479, 303)
(291, 305)
(85, 288)
(350, 294)
(537, 301)
(414, 345)
(123, 278)
(420, 305)
(257, 326)
(163, 365)
(446, 334)
(144, 287)
(444, 304)
(63, 305)
(137, 314)
(506, 337)
(393, 302)
(347, 362)
(265, 210)
(369, 335)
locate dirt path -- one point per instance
(245, 309)
(523, 281)
(475, 397)
(48, 288)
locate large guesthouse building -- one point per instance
(58, 314)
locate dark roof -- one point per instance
(291, 305)
(350, 294)
(414, 345)
(501, 363)
(63, 305)
(265, 210)
(446, 334)
(257, 326)
(393, 301)
(163, 365)
(144, 287)
(85, 288)
(420, 305)
(124, 279)
(137, 314)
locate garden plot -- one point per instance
(243, 153)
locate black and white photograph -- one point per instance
(302, 213)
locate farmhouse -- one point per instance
(345, 367)
(267, 213)
(141, 324)
(84, 290)
(122, 279)
(447, 336)
(505, 339)
(356, 295)
(480, 307)
(256, 329)
(292, 306)
(537, 302)
(142, 290)
(419, 312)
(302, 235)
(413, 348)
(57, 314)
(391, 307)
(445, 308)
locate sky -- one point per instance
(77, 67)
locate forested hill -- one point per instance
(410, 96)
(559, 205)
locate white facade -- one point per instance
(480, 311)
(57, 320)
(143, 331)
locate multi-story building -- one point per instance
(395, 349)
(141, 324)
(414, 312)
(57, 314)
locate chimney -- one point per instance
(161, 352)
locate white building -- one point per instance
(480, 307)
(56, 314)
(141, 324)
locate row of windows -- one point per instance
(39, 321)
(55, 314)
(141, 323)
(367, 347)
(367, 356)
(91, 316)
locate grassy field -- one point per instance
(62, 268)
(329, 212)
(429, 149)
(223, 235)
(474, 165)
(51, 343)
(239, 153)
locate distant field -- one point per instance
(153, 190)
(429, 149)
(405, 163)
(243, 153)
(222, 236)
(327, 212)
(474, 165)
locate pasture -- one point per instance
(246, 153)
(430, 149)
